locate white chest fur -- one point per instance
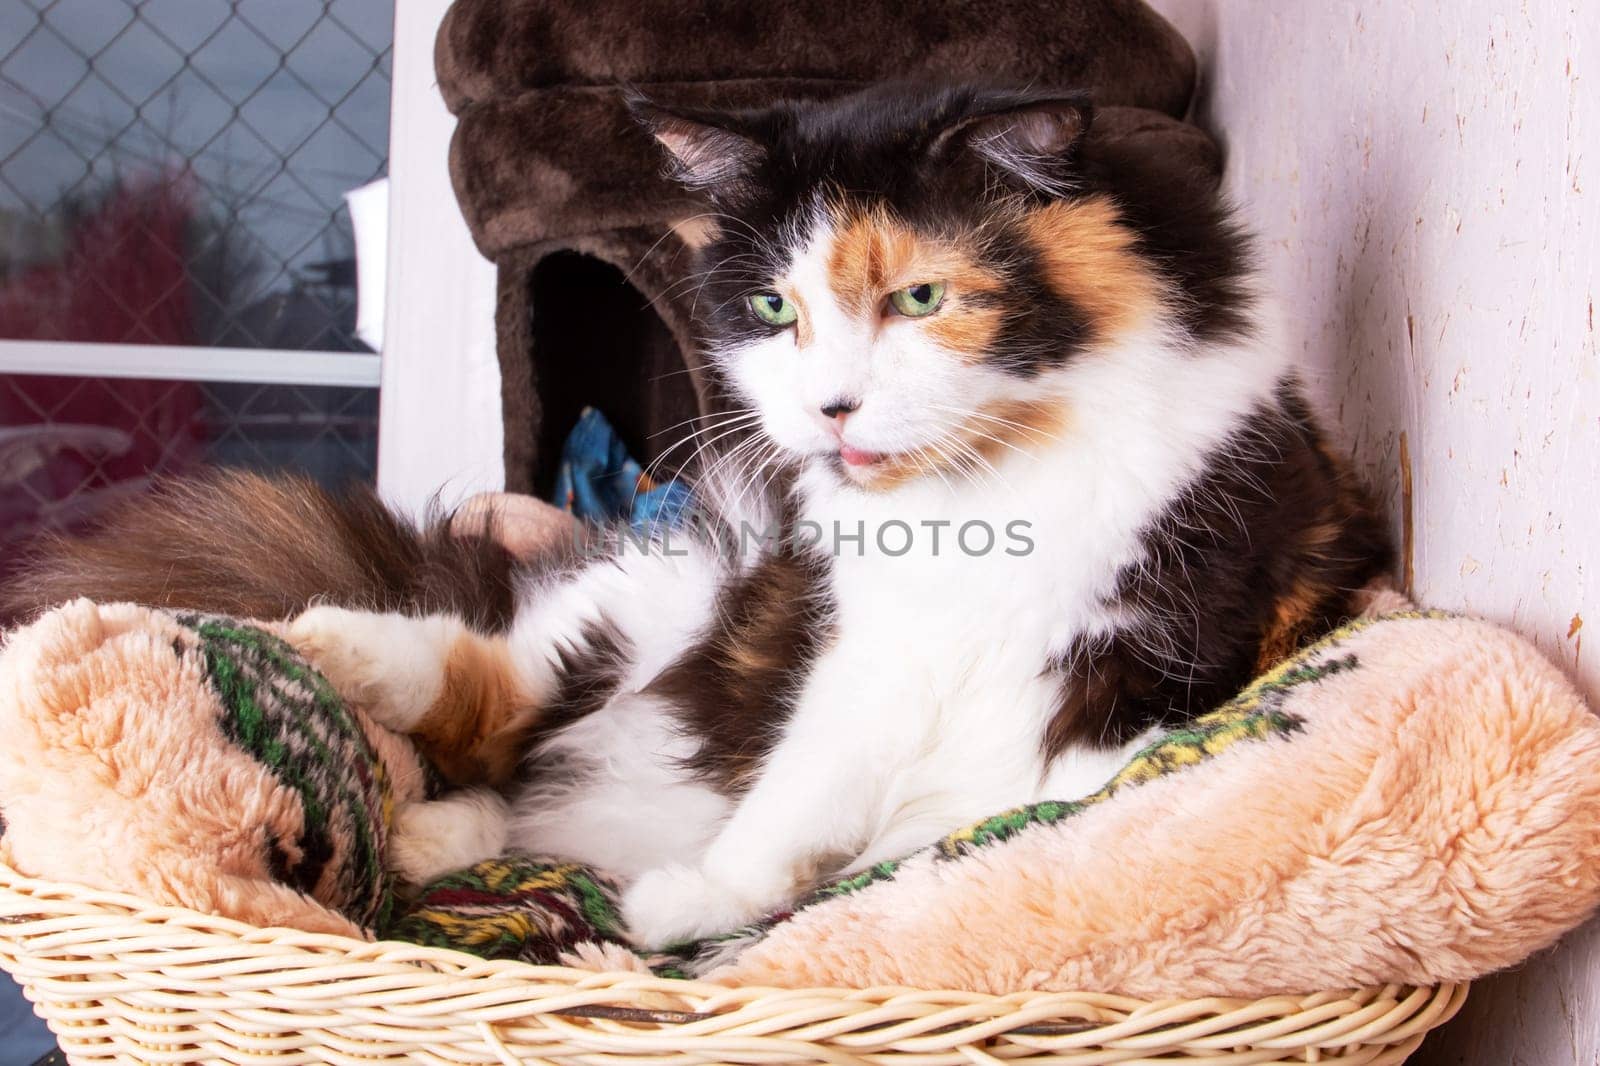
(945, 635)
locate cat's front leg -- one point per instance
(813, 806)
(457, 693)
(766, 856)
(451, 690)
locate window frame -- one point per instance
(440, 423)
(262, 366)
(439, 417)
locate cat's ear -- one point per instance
(1035, 139)
(706, 150)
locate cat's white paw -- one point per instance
(674, 904)
(435, 837)
(390, 664)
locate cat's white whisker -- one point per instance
(737, 421)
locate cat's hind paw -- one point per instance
(435, 837)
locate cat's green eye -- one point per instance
(914, 301)
(773, 309)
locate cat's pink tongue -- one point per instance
(857, 457)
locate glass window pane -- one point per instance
(71, 446)
(173, 171)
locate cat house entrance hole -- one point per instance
(597, 342)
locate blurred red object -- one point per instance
(122, 277)
(68, 445)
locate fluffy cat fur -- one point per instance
(1097, 385)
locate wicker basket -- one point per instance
(124, 981)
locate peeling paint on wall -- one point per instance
(1419, 172)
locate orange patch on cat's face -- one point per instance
(803, 332)
(1088, 256)
(874, 254)
(974, 447)
(1015, 426)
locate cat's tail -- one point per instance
(257, 547)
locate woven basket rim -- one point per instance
(63, 940)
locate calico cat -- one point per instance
(1021, 385)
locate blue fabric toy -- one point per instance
(598, 481)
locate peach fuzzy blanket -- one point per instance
(1415, 799)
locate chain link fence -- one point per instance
(82, 444)
(205, 142)
(172, 172)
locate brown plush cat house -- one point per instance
(567, 195)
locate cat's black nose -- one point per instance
(839, 407)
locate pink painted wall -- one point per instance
(1426, 180)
